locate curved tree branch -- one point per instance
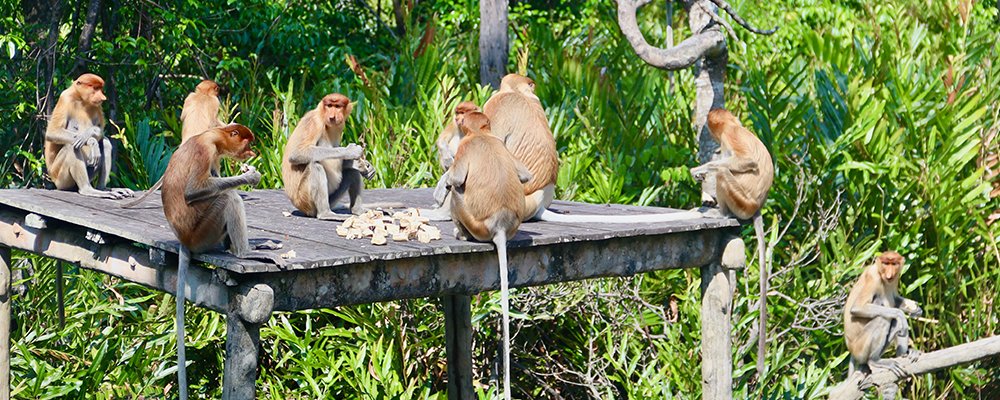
(739, 20)
(708, 42)
(854, 386)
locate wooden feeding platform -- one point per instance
(329, 271)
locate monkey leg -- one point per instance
(234, 214)
(71, 172)
(441, 190)
(880, 333)
(732, 197)
(317, 185)
(536, 202)
(352, 184)
(104, 171)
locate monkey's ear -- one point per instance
(237, 129)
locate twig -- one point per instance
(739, 20)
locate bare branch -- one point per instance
(739, 20)
(708, 42)
(854, 386)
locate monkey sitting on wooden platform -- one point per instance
(76, 151)
(316, 170)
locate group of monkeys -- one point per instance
(500, 165)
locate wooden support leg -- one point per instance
(458, 342)
(61, 307)
(250, 308)
(716, 327)
(5, 295)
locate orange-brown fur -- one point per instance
(200, 225)
(490, 197)
(740, 193)
(201, 110)
(878, 285)
(448, 140)
(517, 118)
(320, 127)
(79, 107)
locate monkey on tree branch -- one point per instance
(706, 51)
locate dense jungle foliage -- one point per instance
(882, 118)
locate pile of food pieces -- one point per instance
(401, 227)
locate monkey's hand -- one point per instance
(353, 151)
(94, 132)
(700, 173)
(80, 139)
(93, 152)
(250, 174)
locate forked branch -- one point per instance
(739, 20)
(705, 43)
(855, 385)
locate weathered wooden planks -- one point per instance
(315, 242)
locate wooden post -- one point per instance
(5, 295)
(458, 344)
(61, 306)
(250, 308)
(493, 46)
(716, 313)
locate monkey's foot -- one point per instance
(710, 212)
(114, 194)
(914, 354)
(267, 245)
(887, 365)
(435, 214)
(332, 216)
(265, 257)
(460, 235)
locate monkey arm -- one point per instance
(216, 185)
(908, 306)
(522, 172)
(874, 311)
(458, 173)
(742, 165)
(317, 153)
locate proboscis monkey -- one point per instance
(743, 177)
(447, 145)
(76, 151)
(875, 315)
(316, 170)
(200, 113)
(487, 196)
(519, 121)
(204, 210)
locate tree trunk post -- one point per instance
(5, 299)
(458, 345)
(493, 43)
(250, 307)
(716, 316)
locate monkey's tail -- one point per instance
(550, 216)
(183, 259)
(500, 240)
(758, 227)
(133, 203)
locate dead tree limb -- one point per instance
(855, 385)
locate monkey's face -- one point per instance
(890, 265)
(335, 108)
(463, 109)
(90, 87)
(236, 141)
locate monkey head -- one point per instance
(234, 141)
(90, 89)
(334, 109)
(719, 120)
(475, 123)
(208, 87)
(464, 108)
(890, 264)
(518, 83)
